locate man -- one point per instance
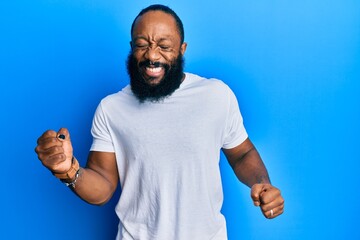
(161, 138)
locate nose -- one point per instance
(152, 54)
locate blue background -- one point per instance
(294, 66)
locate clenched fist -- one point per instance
(268, 198)
(55, 151)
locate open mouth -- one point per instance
(153, 72)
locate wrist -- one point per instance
(70, 175)
(71, 183)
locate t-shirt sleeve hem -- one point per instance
(236, 142)
(101, 147)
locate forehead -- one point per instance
(156, 24)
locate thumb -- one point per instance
(256, 190)
(63, 134)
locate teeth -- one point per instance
(154, 70)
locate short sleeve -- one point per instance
(234, 132)
(102, 141)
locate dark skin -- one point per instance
(250, 170)
(97, 181)
(155, 37)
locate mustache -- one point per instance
(148, 63)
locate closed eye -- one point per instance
(141, 46)
(165, 47)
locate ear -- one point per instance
(183, 48)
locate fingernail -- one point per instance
(62, 136)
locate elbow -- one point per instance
(101, 197)
(100, 201)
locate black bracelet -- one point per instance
(72, 183)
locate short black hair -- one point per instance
(165, 9)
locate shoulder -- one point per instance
(209, 83)
(210, 90)
(118, 97)
(115, 103)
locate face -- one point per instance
(153, 63)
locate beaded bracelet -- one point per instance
(72, 183)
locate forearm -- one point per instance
(250, 169)
(93, 187)
(95, 183)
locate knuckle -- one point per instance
(53, 140)
(265, 199)
(253, 195)
(264, 209)
(54, 161)
(49, 132)
(55, 150)
(36, 149)
(279, 193)
(41, 157)
(59, 149)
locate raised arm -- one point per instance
(94, 183)
(250, 170)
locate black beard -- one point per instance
(170, 82)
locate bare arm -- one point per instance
(250, 170)
(98, 180)
(247, 164)
(96, 183)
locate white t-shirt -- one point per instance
(168, 158)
